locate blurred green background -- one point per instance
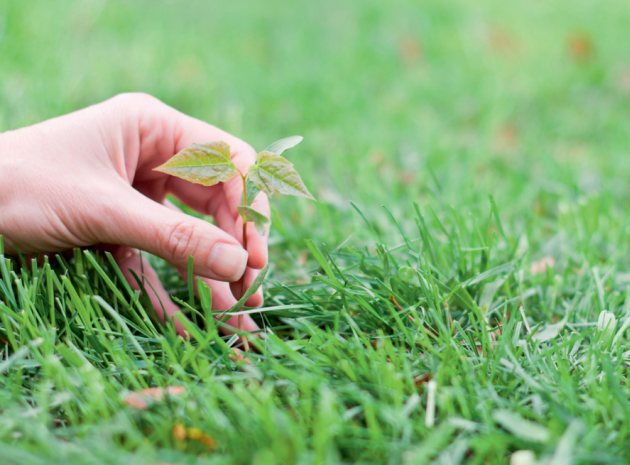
(397, 101)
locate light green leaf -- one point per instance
(278, 147)
(274, 174)
(249, 214)
(205, 164)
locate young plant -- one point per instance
(211, 163)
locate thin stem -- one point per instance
(240, 317)
(244, 178)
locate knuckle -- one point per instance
(248, 149)
(243, 155)
(135, 99)
(180, 240)
(249, 153)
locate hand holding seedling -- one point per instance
(88, 178)
(211, 163)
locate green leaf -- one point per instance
(274, 174)
(278, 147)
(205, 164)
(250, 215)
(252, 192)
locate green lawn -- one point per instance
(451, 145)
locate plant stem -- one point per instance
(240, 317)
(244, 178)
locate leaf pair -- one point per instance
(211, 163)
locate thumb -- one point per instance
(141, 223)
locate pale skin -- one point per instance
(87, 179)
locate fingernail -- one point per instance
(228, 261)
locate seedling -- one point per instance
(211, 163)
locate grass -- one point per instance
(452, 146)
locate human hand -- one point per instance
(87, 179)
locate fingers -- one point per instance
(239, 288)
(223, 299)
(141, 223)
(256, 242)
(222, 205)
(227, 218)
(152, 132)
(236, 288)
(130, 263)
(232, 223)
